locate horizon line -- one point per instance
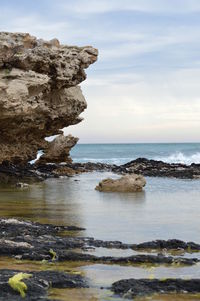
(138, 142)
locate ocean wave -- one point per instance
(179, 157)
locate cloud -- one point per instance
(150, 6)
(158, 107)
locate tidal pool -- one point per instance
(168, 208)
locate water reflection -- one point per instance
(168, 208)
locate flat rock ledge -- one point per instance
(131, 288)
(127, 183)
(38, 284)
(34, 241)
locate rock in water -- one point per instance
(39, 92)
(58, 150)
(127, 183)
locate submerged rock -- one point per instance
(130, 288)
(127, 183)
(39, 92)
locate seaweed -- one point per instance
(17, 284)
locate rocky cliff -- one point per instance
(39, 94)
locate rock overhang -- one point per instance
(39, 92)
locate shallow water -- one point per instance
(168, 208)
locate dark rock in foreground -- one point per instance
(34, 241)
(131, 288)
(38, 284)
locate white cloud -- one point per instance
(152, 6)
(161, 107)
(34, 24)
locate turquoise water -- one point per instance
(121, 153)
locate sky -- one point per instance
(145, 86)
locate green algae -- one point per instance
(17, 284)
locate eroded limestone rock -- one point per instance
(58, 150)
(127, 183)
(38, 92)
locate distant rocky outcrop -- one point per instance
(127, 183)
(39, 94)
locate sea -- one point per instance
(186, 153)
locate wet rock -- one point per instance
(130, 288)
(145, 167)
(155, 245)
(29, 173)
(63, 255)
(34, 241)
(13, 174)
(127, 183)
(65, 171)
(13, 227)
(38, 284)
(155, 168)
(171, 244)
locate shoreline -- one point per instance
(11, 173)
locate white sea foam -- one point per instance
(179, 157)
(39, 154)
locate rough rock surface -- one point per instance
(38, 92)
(58, 150)
(155, 168)
(38, 284)
(130, 288)
(145, 167)
(127, 183)
(10, 173)
(33, 241)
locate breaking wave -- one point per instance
(177, 157)
(180, 158)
